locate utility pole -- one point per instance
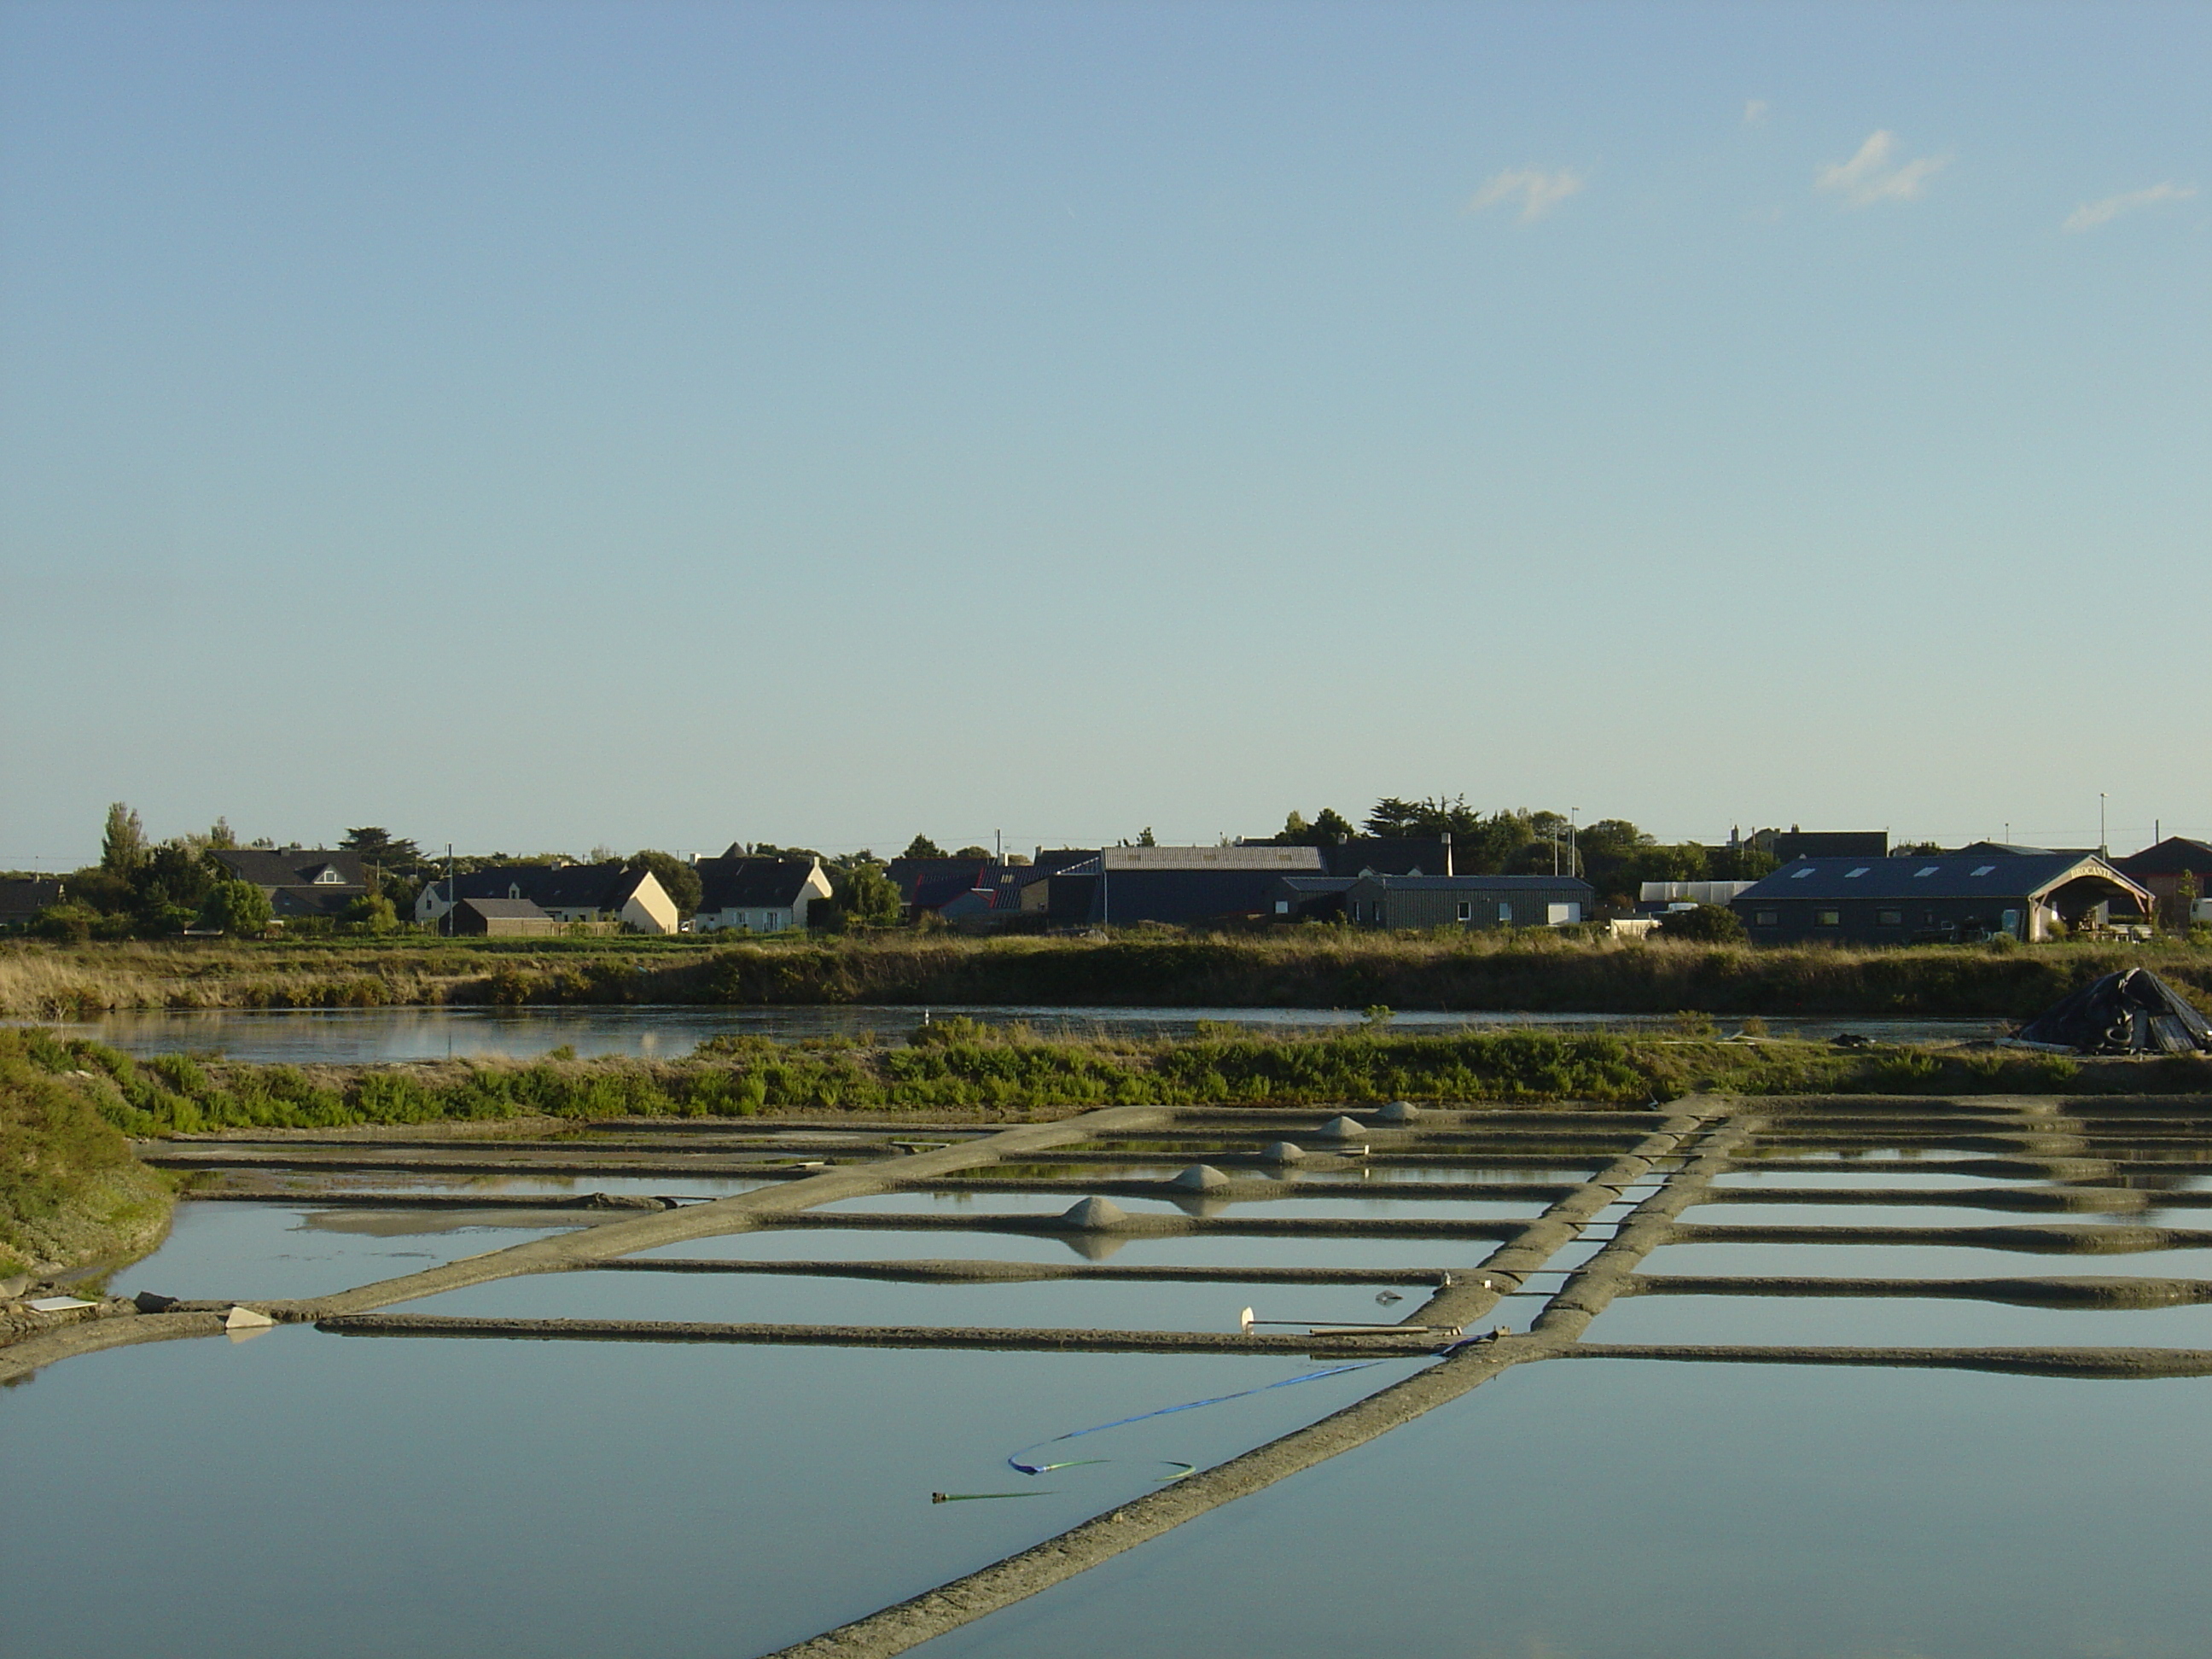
(2103, 846)
(446, 921)
(1574, 843)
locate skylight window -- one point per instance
(1925, 870)
(1984, 869)
(1853, 875)
(1808, 871)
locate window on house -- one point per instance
(1827, 918)
(1925, 870)
(1889, 918)
(1505, 911)
(1766, 919)
(1984, 869)
(1853, 875)
(327, 876)
(1808, 871)
(1467, 909)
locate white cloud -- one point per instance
(1755, 113)
(1868, 178)
(2090, 214)
(1537, 192)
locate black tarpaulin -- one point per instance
(2130, 1012)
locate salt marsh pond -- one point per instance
(717, 1424)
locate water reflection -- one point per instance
(537, 1500)
(1617, 1510)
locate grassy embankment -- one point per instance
(990, 1073)
(71, 1190)
(1304, 966)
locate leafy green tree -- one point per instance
(922, 848)
(2182, 908)
(678, 878)
(1327, 829)
(171, 882)
(372, 913)
(1480, 845)
(861, 895)
(1144, 837)
(1742, 862)
(237, 908)
(103, 889)
(69, 922)
(122, 842)
(1708, 924)
(387, 853)
(219, 837)
(1684, 863)
(971, 852)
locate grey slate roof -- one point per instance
(505, 909)
(291, 866)
(2174, 856)
(21, 900)
(564, 887)
(744, 883)
(1989, 874)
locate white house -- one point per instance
(569, 892)
(757, 896)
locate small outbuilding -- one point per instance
(503, 918)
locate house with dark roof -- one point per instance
(1973, 894)
(988, 891)
(756, 895)
(2161, 869)
(299, 881)
(1472, 901)
(21, 901)
(1391, 855)
(501, 918)
(599, 894)
(1188, 885)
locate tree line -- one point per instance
(1613, 854)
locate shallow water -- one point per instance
(1916, 1262)
(368, 1498)
(1895, 1322)
(1057, 1304)
(1622, 1511)
(362, 1035)
(266, 1252)
(890, 1245)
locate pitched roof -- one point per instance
(505, 909)
(25, 898)
(2171, 856)
(1387, 855)
(292, 866)
(1938, 875)
(743, 883)
(554, 887)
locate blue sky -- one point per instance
(542, 425)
